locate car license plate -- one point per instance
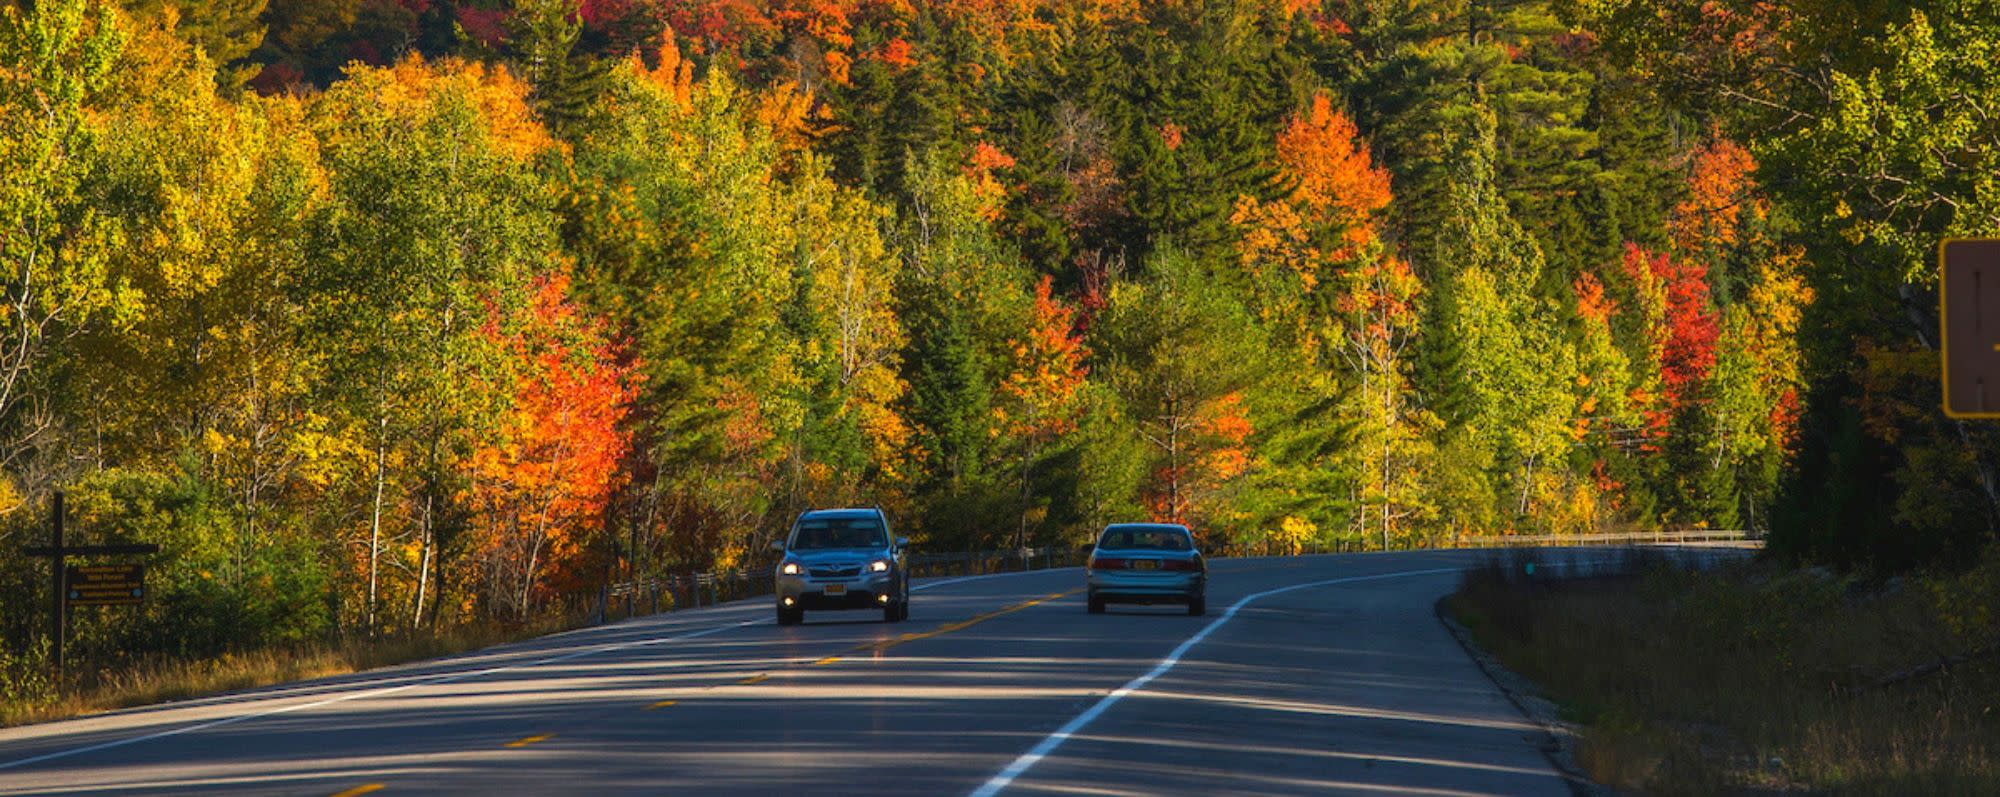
(1145, 564)
(836, 589)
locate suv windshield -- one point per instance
(1145, 538)
(815, 534)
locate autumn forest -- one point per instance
(411, 313)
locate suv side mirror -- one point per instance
(902, 542)
(778, 546)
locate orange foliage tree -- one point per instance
(1220, 453)
(1324, 277)
(1042, 394)
(547, 476)
(1324, 229)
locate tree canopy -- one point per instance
(415, 312)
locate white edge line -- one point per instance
(438, 679)
(1048, 744)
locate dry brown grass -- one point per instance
(166, 680)
(1757, 679)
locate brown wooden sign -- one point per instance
(1969, 317)
(106, 585)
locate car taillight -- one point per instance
(1106, 563)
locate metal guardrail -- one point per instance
(1690, 537)
(972, 563)
(691, 590)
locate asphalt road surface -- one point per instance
(1310, 675)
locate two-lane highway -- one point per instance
(1310, 675)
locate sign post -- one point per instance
(1969, 325)
(85, 585)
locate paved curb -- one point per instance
(1559, 738)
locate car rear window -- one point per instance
(823, 533)
(1146, 538)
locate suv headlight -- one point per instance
(789, 568)
(879, 566)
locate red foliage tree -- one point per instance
(1691, 330)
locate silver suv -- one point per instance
(842, 559)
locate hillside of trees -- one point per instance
(405, 313)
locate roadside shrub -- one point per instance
(1756, 677)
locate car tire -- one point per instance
(1198, 606)
(1096, 605)
(790, 616)
(892, 612)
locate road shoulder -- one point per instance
(1560, 741)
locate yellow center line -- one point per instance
(542, 737)
(961, 625)
(360, 790)
(878, 647)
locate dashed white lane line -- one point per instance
(1048, 745)
(439, 679)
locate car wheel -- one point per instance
(903, 610)
(1198, 606)
(1096, 605)
(892, 612)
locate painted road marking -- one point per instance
(438, 679)
(878, 647)
(961, 625)
(1054, 740)
(1048, 744)
(357, 791)
(519, 743)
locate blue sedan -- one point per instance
(1147, 563)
